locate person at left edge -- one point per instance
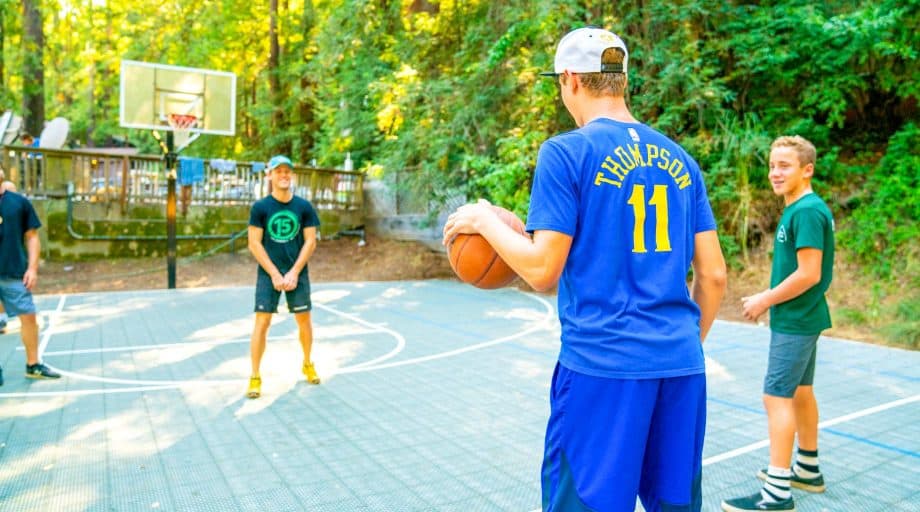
(19, 250)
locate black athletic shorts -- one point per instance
(267, 297)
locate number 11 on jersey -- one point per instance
(660, 201)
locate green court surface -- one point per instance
(434, 398)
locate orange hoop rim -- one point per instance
(181, 121)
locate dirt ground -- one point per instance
(343, 260)
(334, 261)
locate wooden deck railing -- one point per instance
(140, 179)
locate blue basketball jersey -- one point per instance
(632, 200)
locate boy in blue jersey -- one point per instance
(803, 263)
(282, 237)
(618, 215)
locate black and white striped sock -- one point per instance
(776, 487)
(806, 464)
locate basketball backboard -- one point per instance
(150, 92)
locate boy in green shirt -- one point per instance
(803, 259)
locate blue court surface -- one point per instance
(434, 398)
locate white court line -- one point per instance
(51, 325)
(178, 344)
(360, 367)
(78, 392)
(167, 384)
(400, 340)
(824, 424)
(133, 348)
(536, 326)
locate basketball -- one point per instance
(476, 262)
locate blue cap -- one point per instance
(279, 160)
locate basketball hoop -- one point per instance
(182, 125)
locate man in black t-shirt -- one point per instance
(282, 237)
(10, 187)
(19, 250)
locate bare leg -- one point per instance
(257, 341)
(782, 423)
(806, 417)
(305, 330)
(29, 333)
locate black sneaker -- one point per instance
(756, 502)
(40, 371)
(815, 484)
(2, 326)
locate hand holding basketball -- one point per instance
(474, 260)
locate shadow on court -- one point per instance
(434, 397)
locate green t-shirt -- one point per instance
(805, 223)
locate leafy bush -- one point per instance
(905, 329)
(883, 231)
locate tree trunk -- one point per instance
(307, 115)
(274, 81)
(2, 40)
(91, 92)
(33, 74)
(91, 106)
(253, 125)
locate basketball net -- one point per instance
(182, 125)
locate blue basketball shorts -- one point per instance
(791, 363)
(16, 298)
(267, 297)
(611, 440)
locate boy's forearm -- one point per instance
(794, 285)
(707, 294)
(33, 250)
(305, 252)
(261, 256)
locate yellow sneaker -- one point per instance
(255, 387)
(310, 373)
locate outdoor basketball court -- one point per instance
(434, 398)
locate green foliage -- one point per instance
(736, 160)
(905, 329)
(850, 316)
(883, 231)
(443, 99)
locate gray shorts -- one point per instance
(791, 363)
(17, 300)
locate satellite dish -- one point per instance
(9, 127)
(55, 134)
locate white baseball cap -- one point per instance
(580, 51)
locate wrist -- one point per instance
(479, 222)
(767, 297)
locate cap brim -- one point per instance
(609, 69)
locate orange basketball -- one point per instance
(476, 262)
